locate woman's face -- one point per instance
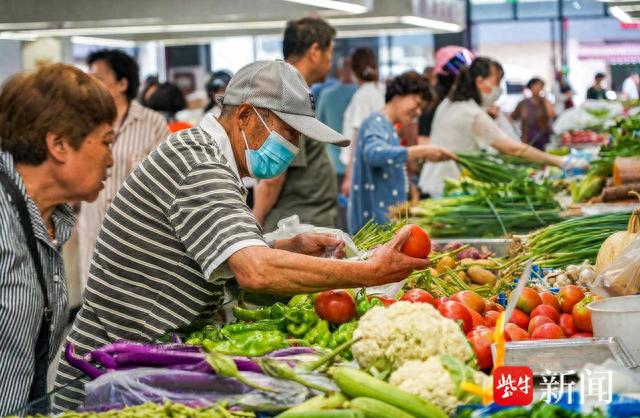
(85, 169)
(485, 85)
(408, 108)
(101, 70)
(536, 88)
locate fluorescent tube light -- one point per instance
(620, 14)
(343, 6)
(430, 23)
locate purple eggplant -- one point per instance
(155, 357)
(175, 339)
(292, 351)
(104, 359)
(242, 363)
(80, 363)
(123, 346)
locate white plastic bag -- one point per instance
(291, 226)
(622, 277)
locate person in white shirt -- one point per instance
(461, 124)
(367, 99)
(630, 87)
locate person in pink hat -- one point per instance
(449, 61)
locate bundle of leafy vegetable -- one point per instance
(495, 168)
(574, 240)
(488, 210)
(625, 142)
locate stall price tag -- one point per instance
(513, 386)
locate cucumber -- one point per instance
(373, 408)
(356, 383)
(327, 413)
(320, 402)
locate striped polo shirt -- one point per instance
(159, 263)
(140, 133)
(21, 301)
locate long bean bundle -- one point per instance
(488, 210)
(574, 240)
(371, 234)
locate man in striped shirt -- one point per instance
(138, 130)
(179, 227)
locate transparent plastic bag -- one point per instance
(622, 277)
(137, 386)
(291, 226)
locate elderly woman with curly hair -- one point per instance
(379, 172)
(56, 133)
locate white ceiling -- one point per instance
(190, 20)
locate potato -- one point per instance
(479, 275)
(444, 262)
(486, 263)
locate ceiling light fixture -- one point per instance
(343, 6)
(430, 23)
(225, 27)
(113, 43)
(620, 14)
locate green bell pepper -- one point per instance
(278, 310)
(364, 305)
(249, 344)
(343, 334)
(319, 334)
(300, 321)
(264, 325)
(299, 301)
(251, 314)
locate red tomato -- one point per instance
(550, 299)
(582, 335)
(458, 312)
(547, 332)
(519, 318)
(440, 301)
(418, 296)
(471, 300)
(385, 300)
(569, 296)
(477, 319)
(418, 245)
(491, 317)
(512, 332)
(582, 315)
(538, 321)
(481, 340)
(529, 299)
(546, 310)
(335, 306)
(567, 324)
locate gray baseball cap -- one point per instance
(279, 87)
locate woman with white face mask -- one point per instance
(462, 124)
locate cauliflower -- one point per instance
(406, 331)
(437, 380)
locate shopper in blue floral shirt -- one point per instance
(379, 171)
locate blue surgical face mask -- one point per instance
(272, 158)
